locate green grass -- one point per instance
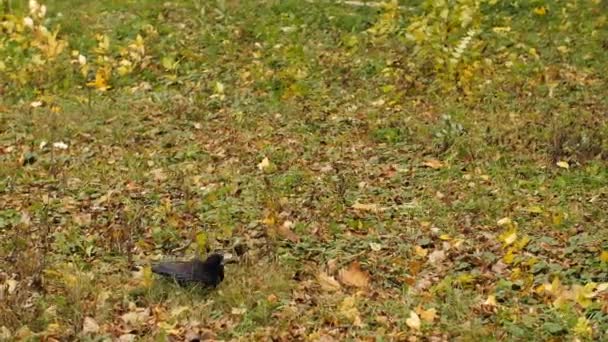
(345, 116)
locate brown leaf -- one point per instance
(354, 276)
(285, 231)
(433, 164)
(82, 219)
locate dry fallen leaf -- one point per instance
(376, 247)
(433, 164)
(436, 257)
(82, 219)
(491, 301)
(285, 231)
(366, 207)
(563, 164)
(354, 276)
(60, 145)
(176, 312)
(505, 221)
(427, 315)
(238, 311)
(158, 175)
(328, 283)
(136, 318)
(11, 285)
(264, 164)
(348, 309)
(421, 251)
(332, 265)
(272, 298)
(89, 326)
(127, 338)
(5, 334)
(413, 321)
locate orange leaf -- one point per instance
(354, 276)
(285, 231)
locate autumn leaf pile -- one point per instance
(398, 171)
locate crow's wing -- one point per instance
(179, 270)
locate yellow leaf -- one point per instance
(102, 77)
(535, 209)
(542, 10)
(413, 321)
(491, 301)
(509, 237)
(445, 237)
(103, 44)
(521, 243)
(582, 327)
(201, 242)
(125, 67)
(348, 309)
(604, 256)
(556, 286)
(147, 278)
(354, 276)
(558, 218)
(540, 289)
(218, 88)
(427, 315)
(509, 257)
(168, 63)
(269, 220)
(420, 251)
(584, 294)
(563, 164)
(465, 279)
(433, 164)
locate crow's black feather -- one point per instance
(208, 273)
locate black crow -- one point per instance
(207, 273)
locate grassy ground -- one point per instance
(376, 193)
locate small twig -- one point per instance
(45, 232)
(374, 4)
